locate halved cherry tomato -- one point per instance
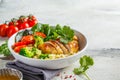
(17, 49)
(23, 43)
(3, 30)
(11, 30)
(32, 20)
(40, 34)
(27, 38)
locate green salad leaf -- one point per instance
(4, 49)
(64, 33)
(36, 27)
(85, 62)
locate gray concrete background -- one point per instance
(98, 20)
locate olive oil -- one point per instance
(9, 77)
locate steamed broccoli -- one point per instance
(36, 51)
(38, 40)
(32, 52)
(26, 52)
(44, 56)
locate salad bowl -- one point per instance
(50, 64)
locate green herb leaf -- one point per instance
(37, 27)
(85, 62)
(4, 49)
(65, 34)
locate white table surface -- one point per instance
(98, 20)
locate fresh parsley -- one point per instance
(85, 62)
(4, 49)
(64, 33)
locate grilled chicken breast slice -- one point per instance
(65, 50)
(47, 48)
(72, 46)
(58, 48)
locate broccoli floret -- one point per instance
(31, 52)
(44, 56)
(38, 40)
(36, 51)
(26, 52)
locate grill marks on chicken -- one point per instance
(53, 43)
(47, 48)
(65, 50)
(56, 47)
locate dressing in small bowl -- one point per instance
(10, 74)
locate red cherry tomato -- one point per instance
(40, 34)
(23, 22)
(11, 30)
(32, 20)
(0, 29)
(22, 19)
(13, 22)
(23, 43)
(17, 49)
(32, 23)
(3, 30)
(23, 25)
(27, 38)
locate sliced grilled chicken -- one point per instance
(58, 48)
(75, 37)
(65, 50)
(47, 48)
(72, 46)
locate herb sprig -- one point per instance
(64, 33)
(85, 62)
(4, 49)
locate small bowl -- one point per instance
(50, 64)
(10, 74)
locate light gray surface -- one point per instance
(106, 66)
(99, 20)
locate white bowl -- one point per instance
(50, 64)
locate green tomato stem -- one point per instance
(86, 75)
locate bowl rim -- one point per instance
(13, 52)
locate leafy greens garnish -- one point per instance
(4, 49)
(85, 62)
(64, 33)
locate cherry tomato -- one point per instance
(40, 34)
(22, 43)
(27, 38)
(32, 20)
(23, 25)
(23, 22)
(13, 22)
(11, 30)
(32, 23)
(0, 29)
(17, 49)
(3, 30)
(22, 19)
